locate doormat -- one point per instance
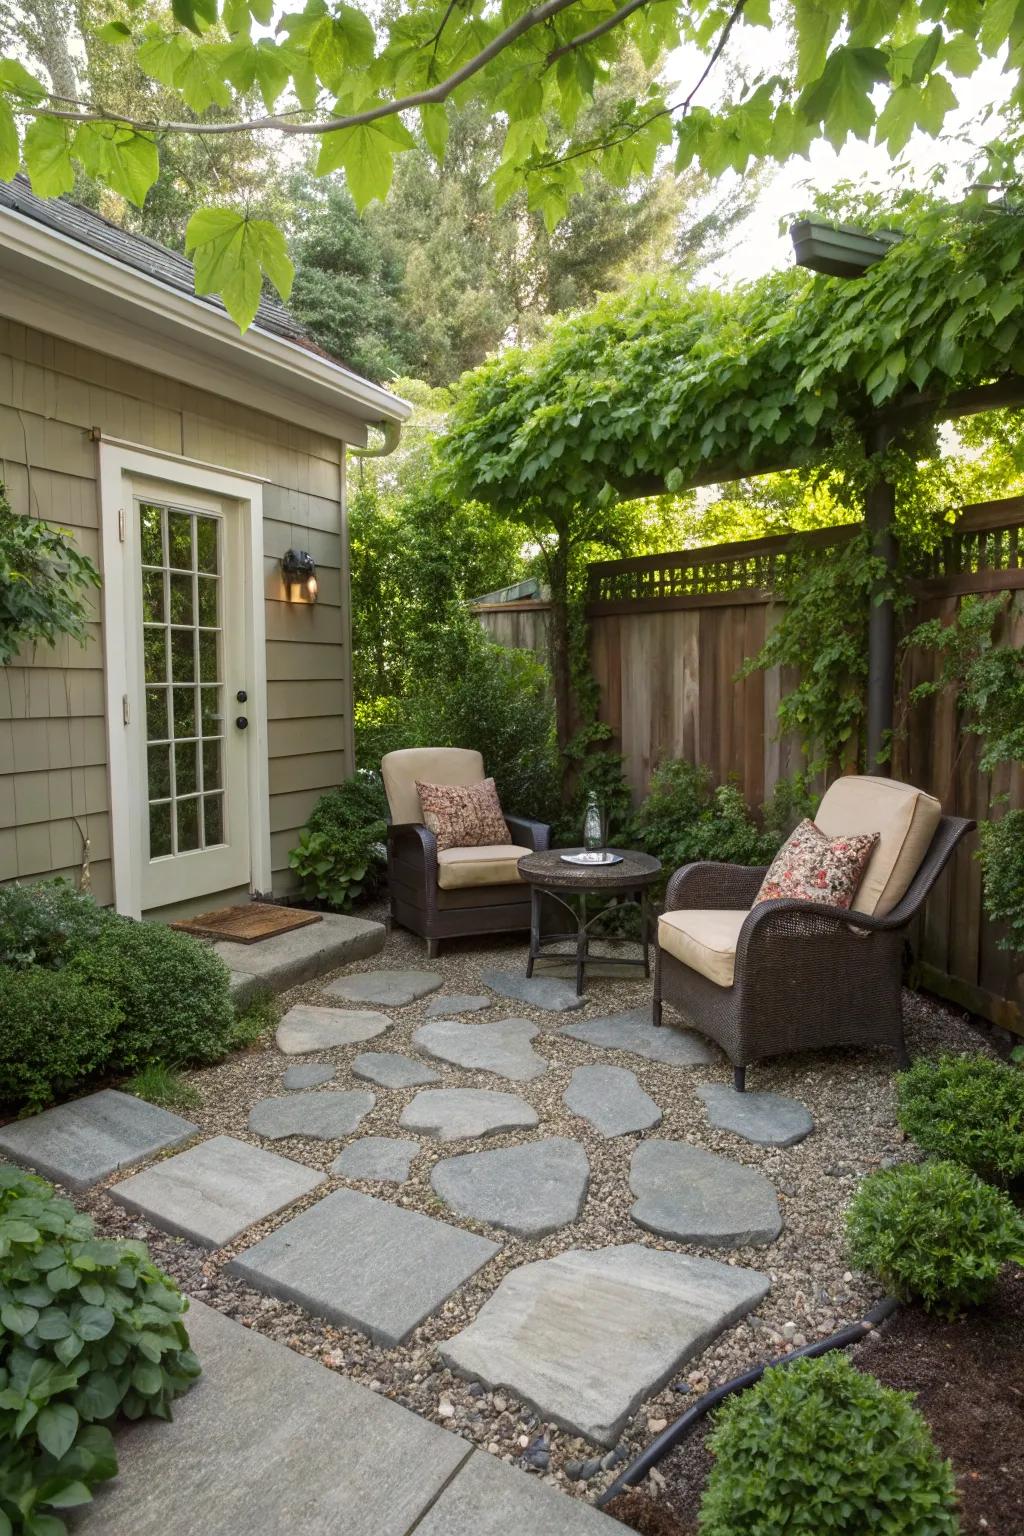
(248, 924)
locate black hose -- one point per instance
(678, 1431)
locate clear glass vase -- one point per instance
(593, 830)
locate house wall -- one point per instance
(53, 750)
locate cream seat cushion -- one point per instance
(704, 939)
(431, 765)
(490, 864)
(905, 819)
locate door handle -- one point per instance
(241, 722)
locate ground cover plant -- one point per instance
(89, 1329)
(935, 1233)
(341, 855)
(969, 1109)
(817, 1446)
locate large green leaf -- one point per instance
(194, 69)
(47, 154)
(841, 98)
(56, 1428)
(121, 158)
(16, 81)
(197, 15)
(232, 254)
(366, 154)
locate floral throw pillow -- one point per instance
(463, 815)
(812, 867)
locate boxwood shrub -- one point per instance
(89, 1329)
(818, 1447)
(969, 1109)
(934, 1232)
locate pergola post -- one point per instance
(880, 521)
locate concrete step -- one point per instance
(270, 1442)
(274, 965)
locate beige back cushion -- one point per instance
(431, 765)
(905, 819)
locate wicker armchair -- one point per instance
(461, 891)
(795, 975)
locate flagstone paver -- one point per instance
(585, 1337)
(82, 1142)
(305, 1028)
(322, 1116)
(502, 1047)
(385, 1158)
(535, 991)
(765, 1118)
(392, 1070)
(386, 989)
(212, 1192)
(364, 1263)
(695, 1196)
(529, 1190)
(488, 1498)
(634, 1032)
(612, 1100)
(455, 1114)
(307, 1074)
(458, 1002)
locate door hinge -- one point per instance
(120, 524)
(126, 709)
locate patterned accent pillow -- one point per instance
(812, 867)
(463, 815)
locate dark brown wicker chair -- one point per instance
(479, 894)
(805, 975)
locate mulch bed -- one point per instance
(968, 1376)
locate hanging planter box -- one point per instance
(840, 250)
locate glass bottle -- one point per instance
(593, 834)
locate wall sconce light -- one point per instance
(299, 569)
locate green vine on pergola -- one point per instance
(668, 386)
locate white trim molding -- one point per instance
(119, 466)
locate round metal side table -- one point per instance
(570, 885)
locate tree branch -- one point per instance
(602, 27)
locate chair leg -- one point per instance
(739, 1079)
(432, 948)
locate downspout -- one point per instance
(392, 431)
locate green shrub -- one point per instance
(819, 1447)
(969, 1109)
(685, 819)
(172, 993)
(256, 1019)
(933, 1232)
(56, 1031)
(88, 1329)
(341, 854)
(1002, 864)
(381, 725)
(46, 924)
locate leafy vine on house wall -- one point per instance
(43, 583)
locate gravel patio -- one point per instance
(812, 1291)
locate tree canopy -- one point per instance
(348, 78)
(666, 385)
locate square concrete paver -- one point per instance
(364, 1264)
(488, 1498)
(212, 1192)
(84, 1141)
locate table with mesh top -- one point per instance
(572, 886)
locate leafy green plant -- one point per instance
(817, 1447)
(43, 578)
(256, 1019)
(686, 818)
(969, 1109)
(934, 1232)
(89, 1328)
(381, 726)
(341, 854)
(1001, 856)
(46, 924)
(56, 1031)
(162, 1085)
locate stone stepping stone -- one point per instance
(307, 1074)
(364, 1263)
(84, 1141)
(392, 1070)
(612, 1100)
(535, 991)
(634, 1032)
(767, 1119)
(455, 1114)
(321, 1116)
(529, 1190)
(305, 1028)
(697, 1197)
(458, 1002)
(502, 1047)
(212, 1192)
(585, 1338)
(386, 1158)
(386, 989)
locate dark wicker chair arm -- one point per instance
(713, 885)
(412, 840)
(529, 834)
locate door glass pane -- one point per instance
(181, 552)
